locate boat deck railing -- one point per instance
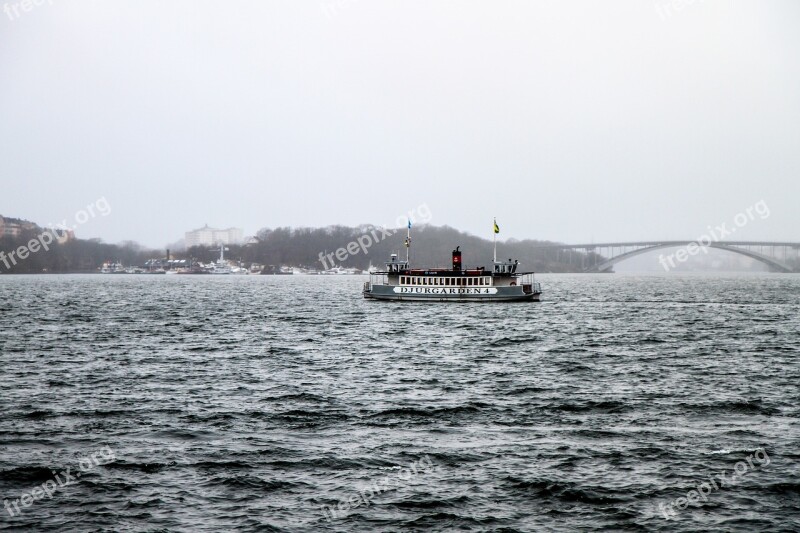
(377, 278)
(529, 284)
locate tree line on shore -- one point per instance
(310, 248)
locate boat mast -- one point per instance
(408, 241)
(495, 231)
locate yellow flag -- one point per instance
(496, 227)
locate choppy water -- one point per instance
(248, 403)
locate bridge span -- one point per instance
(601, 257)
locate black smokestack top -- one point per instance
(457, 260)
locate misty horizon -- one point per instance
(313, 114)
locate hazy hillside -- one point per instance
(430, 246)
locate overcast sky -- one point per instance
(567, 120)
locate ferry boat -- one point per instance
(500, 284)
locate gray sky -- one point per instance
(567, 120)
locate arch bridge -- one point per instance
(601, 257)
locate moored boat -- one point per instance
(221, 267)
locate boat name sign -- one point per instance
(445, 290)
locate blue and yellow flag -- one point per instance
(496, 227)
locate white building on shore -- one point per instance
(206, 236)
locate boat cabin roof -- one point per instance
(446, 273)
(501, 269)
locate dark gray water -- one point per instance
(249, 403)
